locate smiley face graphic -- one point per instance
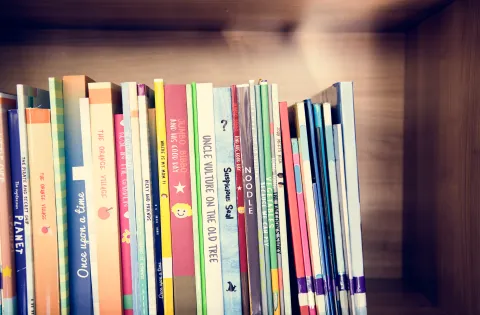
(241, 210)
(182, 210)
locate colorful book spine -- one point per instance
(105, 101)
(144, 98)
(210, 216)
(310, 209)
(55, 88)
(341, 275)
(7, 251)
(28, 97)
(342, 197)
(227, 204)
(20, 272)
(289, 181)
(43, 216)
(127, 287)
(164, 197)
(264, 244)
(195, 184)
(152, 133)
(180, 199)
(250, 198)
(1, 277)
(80, 289)
(242, 241)
(309, 286)
(272, 233)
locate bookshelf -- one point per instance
(413, 65)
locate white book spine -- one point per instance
(208, 167)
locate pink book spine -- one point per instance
(124, 220)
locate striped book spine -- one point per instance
(227, 203)
(195, 198)
(80, 288)
(7, 251)
(44, 220)
(164, 197)
(144, 102)
(152, 134)
(242, 241)
(123, 215)
(105, 101)
(55, 88)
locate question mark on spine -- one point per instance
(224, 123)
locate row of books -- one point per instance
(178, 199)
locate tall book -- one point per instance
(164, 197)
(123, 215)
(304, 295)
(210, 216)
(18, 218)
(7, 252)
(80, 289)
(250, 197)
(194, 179)
(44, 220)
(313, 234)
(145, 101)
(28, 97)
(55, 88)
(242, 241)
(227, 203)
(157, 240)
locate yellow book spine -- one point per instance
(164, 198)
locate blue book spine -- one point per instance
(18, 223)
(227, 201)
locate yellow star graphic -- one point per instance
(7, 272)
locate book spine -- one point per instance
(342, 197)
(20, 272)
(242, 241)
(195, 199)
(282, 246)
(55, 87)
(7, 249)
(272, 233)
(129, 93)
(80, 288)
(309, 285)
(143, 104)
(152, 133)
(44, 221)
(227, 203)
(250, 198)
(210, 216)
(164, 197)
(264, 244)
(310, 208)
(123, 215)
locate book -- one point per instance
(242, 241)
(164, 197)
(145, 101)
(43, 211)
(264, 244)
(80, 289)
(7, 252)
(28, 97)
(227, 203)
(250, 198)
(127, 287)
(105, 101)
(152, 133)
(20, 271)
(180, 199)
(197, 252)
(55, 88)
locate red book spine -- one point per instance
(180, 199)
